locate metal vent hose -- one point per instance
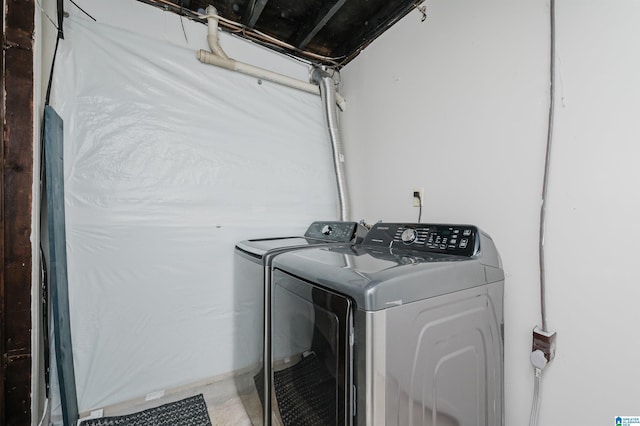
(328, 96)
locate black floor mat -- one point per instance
(190, 411)
(306, 393)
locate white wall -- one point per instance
(458, 105)
(594, 223)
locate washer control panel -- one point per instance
(460, 240)
(340, 232)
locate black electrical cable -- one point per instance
(44, 288)
(53, 63)
(60, 5)
(82, 10)
(46, 103)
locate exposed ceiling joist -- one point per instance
(327, 32)
(256, 7)
(324, 18)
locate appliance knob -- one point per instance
(409, 236)
(326, 230)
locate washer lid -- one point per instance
(257, 248)
(319, 232)
(381, 277)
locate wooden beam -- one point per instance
(319, 24)
(16, 180)
(255, 10)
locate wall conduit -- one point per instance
(219, 58)
(538, 361)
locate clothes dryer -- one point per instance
(403, 329)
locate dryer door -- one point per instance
(312, 360)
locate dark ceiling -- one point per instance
(328, 32)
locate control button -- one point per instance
(456, 231)
(438, 239)
(452, 246)
(466, 232)
(453, 241)
(409, 236)
(443, 246)
(463, 243)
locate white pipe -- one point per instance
(261, 73)
(212, 35)
(219, 58)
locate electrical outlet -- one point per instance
(418, 197)
(544, 341)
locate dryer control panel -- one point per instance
(460, 240)
(334, 231)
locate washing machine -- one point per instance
(405, 328)
(252, 285)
